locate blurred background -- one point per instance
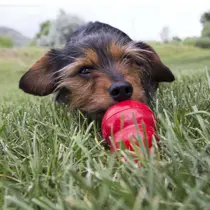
(49, 25)
(178, 30)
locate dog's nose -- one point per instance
(121, 91)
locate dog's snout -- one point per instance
(121, 91)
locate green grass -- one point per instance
(50, 159)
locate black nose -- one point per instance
(121, 91)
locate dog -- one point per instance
(99, 66)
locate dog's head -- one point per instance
(97, 69)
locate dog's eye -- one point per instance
(85, 71)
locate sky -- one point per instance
(142, 20)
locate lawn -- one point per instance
(50, 159)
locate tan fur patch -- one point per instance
(91, 55)
(116, 51)
(42, 63)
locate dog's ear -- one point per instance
(159, 71)
(40, 78)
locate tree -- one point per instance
(165, 34)
(205, 17)
(44, 29)
(59, 29)
(205, 21)
(176, 38)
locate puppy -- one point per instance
(99, 66)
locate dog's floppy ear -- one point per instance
(40, 78)
(159, 71)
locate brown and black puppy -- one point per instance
(99, 66)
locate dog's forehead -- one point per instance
(103, 49)
(105, 55)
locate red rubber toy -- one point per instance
(120, 122)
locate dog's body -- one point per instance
(99, 66)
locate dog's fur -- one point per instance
(96, 56)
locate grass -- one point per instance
(50, 159)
